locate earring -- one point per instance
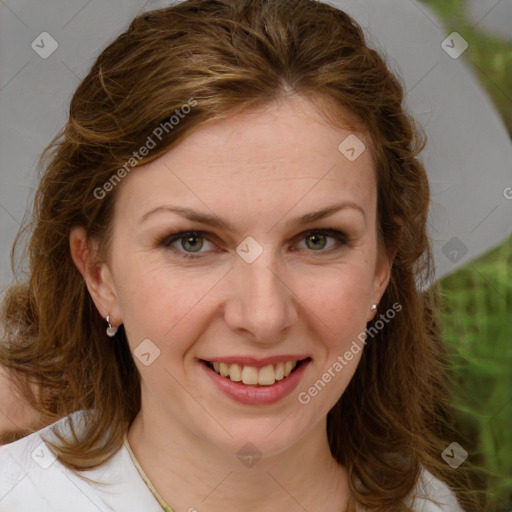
(111, 331)
(374, 307)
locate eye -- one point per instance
(190, 242)
(317, 239)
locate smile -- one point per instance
(252, 375)
(256, 382)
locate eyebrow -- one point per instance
(216, 222)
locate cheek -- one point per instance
(340, 299)
(159, 301)
(340, 312)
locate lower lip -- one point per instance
(257, 395)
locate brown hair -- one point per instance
(229, 56)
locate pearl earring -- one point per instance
(111, 331)
(374, 307)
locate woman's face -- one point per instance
(254, 287)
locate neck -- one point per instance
(193, 475)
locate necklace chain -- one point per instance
(151, 487)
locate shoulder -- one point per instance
(433, 495)
(20, 447)
(32, 478)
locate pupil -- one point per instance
(317, 237)
(193, 247)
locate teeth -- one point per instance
(288, 367)
(235, 373)
(251, 375)
(267, 376)
(224, 369)
(279, 371)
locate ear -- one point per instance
(383, 269)
(96, 274)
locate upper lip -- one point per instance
(255, 361)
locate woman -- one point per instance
(223, 309)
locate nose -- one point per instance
(261, 305)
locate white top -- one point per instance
(32, 480)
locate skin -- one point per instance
(16, 415)
(257, 170)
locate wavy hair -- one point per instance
(230, 56)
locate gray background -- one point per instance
(468, 157)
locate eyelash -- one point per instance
(341, 238)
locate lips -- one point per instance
(254, 393)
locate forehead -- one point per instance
(273, 157)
